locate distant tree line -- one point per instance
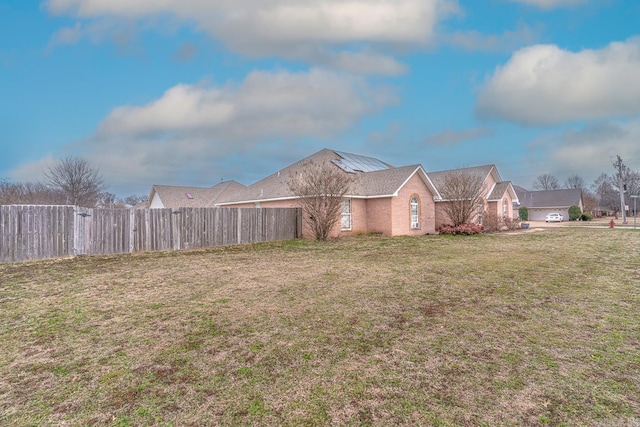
(607, 192)
(70, 181)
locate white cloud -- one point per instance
(366, 63)
(549, 4)
(594, 148)
(32, 172)
(508, 41)
(190, 132)
(587, 151)
(265, 105)
(544, 85)
(289, 28)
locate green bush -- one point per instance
(574, 213)
(523, 213)
(586, 217)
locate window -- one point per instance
(415, 222)
(345, 220)
(504, 209)
(480, 210)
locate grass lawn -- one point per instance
(528, 328)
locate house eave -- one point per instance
(240, 202)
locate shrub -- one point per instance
(586, 217)
(574, 213)
(491, 222)
(512, 224)
(466, 229)
(523, 213)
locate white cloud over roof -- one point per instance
(546, 85)
(201, 127)
(265, 105)
(288, 28)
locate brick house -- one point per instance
(498, 196)
(382, 198)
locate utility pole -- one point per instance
(620, 168)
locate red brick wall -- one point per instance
(379, 216)
(401, 209)
(390, 215)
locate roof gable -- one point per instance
(500, 188)
(371, 178)
(551, 198)
(483, 172)
(389, 182)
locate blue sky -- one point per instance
(193, 92)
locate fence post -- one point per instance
(176, 229)
(239, 227)
(132, 229)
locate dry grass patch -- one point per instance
(537, 328)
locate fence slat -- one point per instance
(39, 232)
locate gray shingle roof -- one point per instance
(482, 171)
(498, 190)
(366, 184)
(384, 182)
(550, 198)
(186, 197)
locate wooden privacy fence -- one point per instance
(38, 232)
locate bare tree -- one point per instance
(28, 194)
(590, 200)
(134, 199)
(546, 181)
(605, 193)
(320, 190)
(107, 200)
(74, 177)
(462, 196)
(633, 183)
(574, 181)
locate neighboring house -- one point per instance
(541, 203)
(498, 196)
(168, 196)
(382, 199)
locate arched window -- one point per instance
(414, 209)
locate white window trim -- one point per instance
(415, 218)
(346, 216)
